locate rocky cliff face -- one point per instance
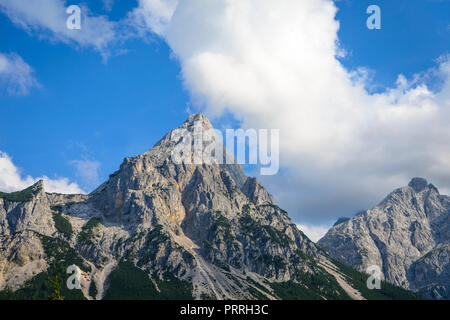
(407, 235)
(203, 231)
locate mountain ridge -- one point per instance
(407, 235)
(155, 226)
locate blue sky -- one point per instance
(414, 34)
(86, 108)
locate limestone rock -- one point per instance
(206, 226)
(406, 235)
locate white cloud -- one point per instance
(87, 170)
(12, 180)
(47, 18)
(153, 15)
(108, 4)
(314, 233)
(16, 76)
(273, 65)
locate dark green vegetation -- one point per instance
(318, 286)
(41, 287)
(131, 283)
(154, 240)
(59, 252)
(323, 285)
(86, 235)
(20, 196)
(93, 290)
(303, 256)
(222, 224)
(274, 206)
(253, 284)
(293, 291)
(258, 232)
(62, 224)
(128, 281)
(388, 291)
(56, 286)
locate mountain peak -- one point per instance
(418, 184)
(197, 230)
(38, 185)
(25, 195)
(406, 235)
(36, 189)
(198, 117)
(256, 192)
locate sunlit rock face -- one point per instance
(207, 225)
(407, 235)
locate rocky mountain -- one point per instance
(160, 230)
(407, 235)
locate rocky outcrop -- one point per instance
(204, 227)
(406, 235)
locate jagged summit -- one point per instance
(198, 117)
(38, 185)
(24, 195)
(156, 169)
(407, 235)
(187, 230)
(418, 184)
(37, 189)
(256, 192)
(195, 221)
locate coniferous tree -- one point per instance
(56, 285)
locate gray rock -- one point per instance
(205, 224)
(407, 235)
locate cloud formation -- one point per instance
(152, 16)
(315, 233)
(11, 179)
(275, 65)
(47, 19)
(16, 76)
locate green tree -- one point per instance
(56, 285)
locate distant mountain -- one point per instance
(407, 235)
(157, 230)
